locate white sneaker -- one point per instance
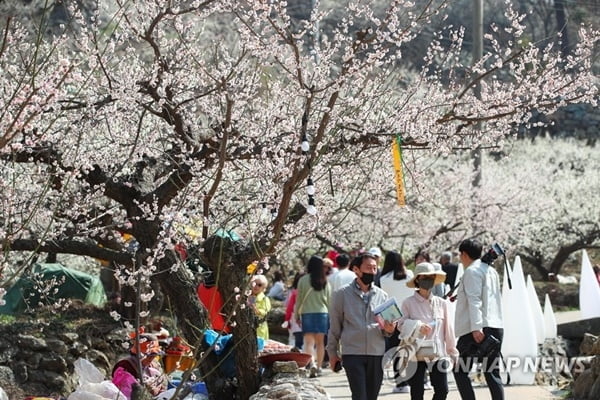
(427, 386)
(401, 389)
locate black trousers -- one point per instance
(390, 342)
(438, 374)
(365, 375)
(491, 368)
(298, 340)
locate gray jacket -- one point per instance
(352, 323)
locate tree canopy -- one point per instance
(150, 118)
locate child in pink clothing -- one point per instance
(292, 324)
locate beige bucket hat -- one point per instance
(427, 269)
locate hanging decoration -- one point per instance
(310, 191)
(331, 182)
(304, 146)
(311, 209)
(398, 171)
(310, 186)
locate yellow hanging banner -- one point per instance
(399, 173)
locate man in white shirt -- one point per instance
(478, 315)
(344, 276)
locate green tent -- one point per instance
(68, 284)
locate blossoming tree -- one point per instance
(535, 199)
(214, 114)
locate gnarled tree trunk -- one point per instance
(229, 259)
(179, 287)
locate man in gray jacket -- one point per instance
(354, 328)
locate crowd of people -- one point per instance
(329, 312)
(449, 317)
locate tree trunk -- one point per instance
(536, 262)
(563, 254)
(179, 289)
(51, 258)
(128, 297)
(229, 260)
(244, 333)
(561, 26)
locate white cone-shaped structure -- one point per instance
(549, 319)
(589, 290)
(505, 306)
(536, 309)
(520, 342)
(505, 293)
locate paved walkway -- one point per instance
(337, 387)
(565, 317)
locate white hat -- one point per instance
(427, 269)
(376, 251)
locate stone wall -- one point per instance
(553, 369)
(587, 383)
(36, 358)
(285, 381)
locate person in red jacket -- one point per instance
(211, 298)
(290, 321)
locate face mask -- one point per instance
(367, 278)
(426, 284)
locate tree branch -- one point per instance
(76, 247)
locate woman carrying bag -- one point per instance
(427, 333)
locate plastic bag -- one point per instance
(169, 394)
(166, 395)
(195, 396)
(97, 391)
(124, 381)
(92, 385)
(87, 371)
